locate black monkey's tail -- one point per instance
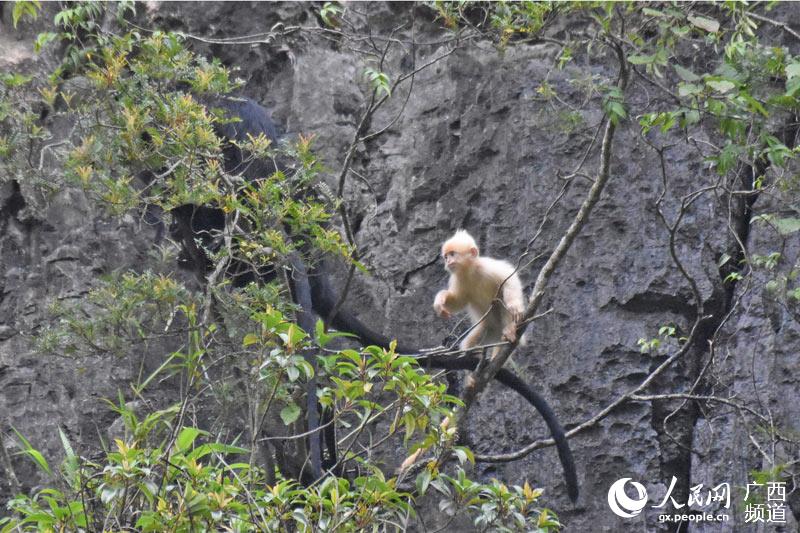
(324, 300)
(510, 379)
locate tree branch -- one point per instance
(477, 381)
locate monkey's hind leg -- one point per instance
(474, 337)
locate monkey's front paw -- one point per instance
(438, 305)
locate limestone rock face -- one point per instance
(472, 147)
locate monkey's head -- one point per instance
(459, 251)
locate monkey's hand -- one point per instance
(439, 305)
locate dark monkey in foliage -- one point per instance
(310, 285)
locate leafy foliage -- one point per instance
(142, 108)
(713, 98)
(138, 104)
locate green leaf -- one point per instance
(616, 111)
(319, 330)
(290, 413)
(43, 520)
(306, 367)
(727, 158)
(70, 459)
(296, 334)
(732, 277)
(792, 85)
(107, 494)
(328, 11)
(463, 454)
(15, 80)
(42, 40)
(704, 23)
(721, 86)
(157, 371)
(784, 226)
(25, 7)
(690, 117)
(792, 70)
(754, 105)
(33, 453)
(652, 12)
(641, 60)
(545, 521)
(689, 89)
(423, 480)
(215, 447)
(186, 437)
(250, 339)
(669, 121)
(686, 74)
(379, 81)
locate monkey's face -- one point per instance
(456, 260)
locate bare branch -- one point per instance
(785, 27)
(479, 378)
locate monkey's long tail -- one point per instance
(510, 379)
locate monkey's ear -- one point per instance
(473, 251)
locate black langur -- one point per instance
(197, 227)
